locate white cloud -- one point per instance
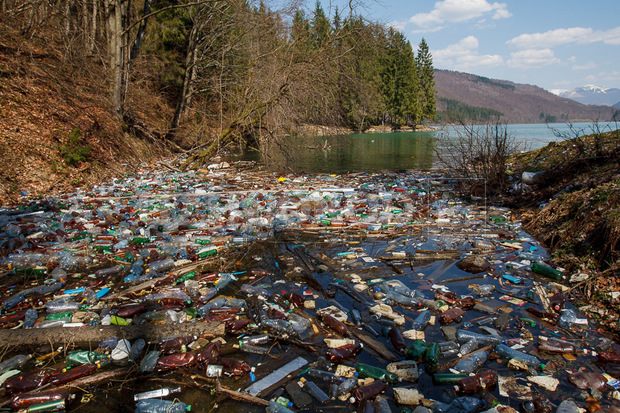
(464, 55)
(585, 66)
(532, 59)
(552, 38)
(458, 11)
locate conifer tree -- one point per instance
(426, 75)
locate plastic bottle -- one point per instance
(567, 319)
(77, 357)
(13, 301)
(280, 326)
(154, 394)
(23, 401)
(149, 361)
(161, 266)
(546, 271)
(61, 305)
(368, 392)
(275, 407)
(176, 360)
(431, 356)
(448, 378)
(15, 362)
(377, 373)
(473, 384)
(551, 318)
(468, 347)
(255, 340)
(27, 381)
(400, 299)
(466, 405)
(568, 406)
(465, 335)
(397, 340)
(316, 392)
(174, 343)
(416, 350)
(30, 318)
(325, 376)
(471, 363)
(225, 280)
(338, 326)
(510, 353)
(161, 406)
(75, 373)
(106, 272)
(421, 320)
(347, 385)
(552, 345)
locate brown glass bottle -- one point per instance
(556, 346)
(397, 340)
(23, 401)
(131, 310)
(338, 326)
(27, 381)
(233, 327)
(75, 373)
(176, 360)
(211, 353)
(557, 301)
(368, 391)
(234, 367)
(452, 315)
(338, 354)
(551, 318)
(473, 384)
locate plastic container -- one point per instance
(377, 373)
(546, 271)
(510, 353)
(421, 320)
(397, 340)
(325, 376)
(472, 363)
(485, 380)
(161, 406)
(316, 392)
(77, 357)
(15, 362)
(157, 393)
(23, 401)
(368, 392)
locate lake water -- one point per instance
(393, 151)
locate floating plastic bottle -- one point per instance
(472, 363)
(176, 360)
(161, 266)
(448, 378)
(15, 362)
(552, 345)
(465, 335)
(275, 407)
(377, 373)
(416, 350)
(13, 301)
(24, 401)
(473, 384)
(77, 357)
(397, 340)
(325, 376)
(316, 392)
(510, 353)
(546, 271)
(157, 393)
(161, 406)
(421, 320)
(27, 381)
(75, 373)
(468, 347)
(368, 392)
(149, 361)
(346, 386)
(450, 316)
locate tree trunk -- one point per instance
(91, 336)
(141, 30)
(115, 19)
(93, 28)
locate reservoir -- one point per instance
(391, 151)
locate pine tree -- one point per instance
(426, 76)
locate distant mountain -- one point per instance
(518, 103)
(591, 95)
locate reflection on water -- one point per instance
(338, 154)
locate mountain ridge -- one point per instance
(591, 95)
(518, 102)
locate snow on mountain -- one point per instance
(590, 95)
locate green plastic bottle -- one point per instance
(59, 316)
(448, 378)
(416, 350)
(207, 251)
(377, 373)
(77, 357)
(431, 356)
(546, 271)
(187, 276)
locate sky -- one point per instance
(554, 44)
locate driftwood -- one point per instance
(244, 397)
(375, 345)
(91, 336)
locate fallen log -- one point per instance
(91, 336)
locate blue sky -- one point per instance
(554, 44)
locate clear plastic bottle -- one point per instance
(468, 347)
(510, 353)
(325, 376)
(161, 406)
(149, 361)
(275, 407)
(472, 363)
(421, 320)
(161, 266)
(61, 305)
(157, 393)
(465, 335)
(347, 386)
(13, 301)
(30, 318)
(316, 392)
(15, 362)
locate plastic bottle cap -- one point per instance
(189, 408)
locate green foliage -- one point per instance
(75, 152)
(482, 79)
(456, 111)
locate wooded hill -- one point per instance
(463, 96)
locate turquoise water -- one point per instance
(392, 151)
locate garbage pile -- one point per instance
(238, 289)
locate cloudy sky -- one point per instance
(554, 44)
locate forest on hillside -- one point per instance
(225, 71)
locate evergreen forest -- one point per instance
(220, 72)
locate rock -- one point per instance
(575, 278)
(473, 264)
